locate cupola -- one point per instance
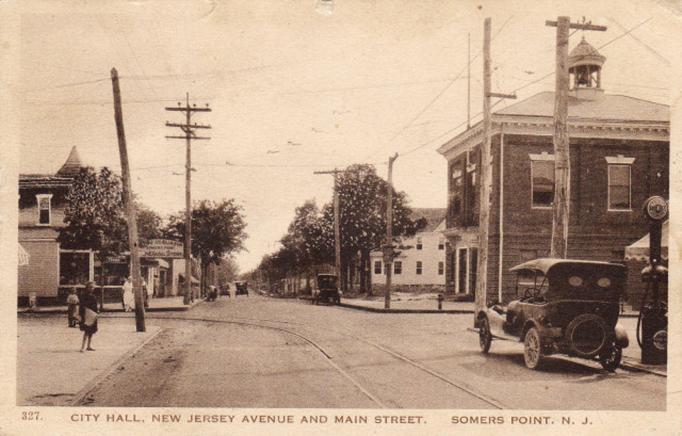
(584, 69)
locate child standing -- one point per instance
(72, 301)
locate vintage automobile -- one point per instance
(241, 288)
(327, 289)
(565, 306)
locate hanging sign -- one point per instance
(162, 248)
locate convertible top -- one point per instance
(546, 263)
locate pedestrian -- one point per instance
(72, 302)
(128, 297)
(145, 293)
(88, 316)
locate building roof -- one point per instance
(433, 217)
(585, 54)
(608, 107)
(44, 181)
(72, 165)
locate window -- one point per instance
(419, 267)
(473, 268)
(419, 243)
(456, 187)
(397, 267)
(542, 181)
(377, 267)
(462, 270)
(441, 268)
(619, 196)
(472, 194)
(44, 208)
(441, 244)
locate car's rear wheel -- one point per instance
(485, 337)
(610, 359)
(532, 348)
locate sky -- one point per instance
(293, 91)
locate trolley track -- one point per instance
(328, 356)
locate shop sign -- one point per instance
(162, 248)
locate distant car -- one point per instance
(566, 306)
(327, 289)
(241, 288)
(225, 290)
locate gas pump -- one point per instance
(652, 324)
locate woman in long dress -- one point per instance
(88, 319)
(128, 297)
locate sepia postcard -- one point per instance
(340, 217)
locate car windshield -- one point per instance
(326, 282)
(533, 281)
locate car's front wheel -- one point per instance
(610, 358)
(532, 348)
(485, 337)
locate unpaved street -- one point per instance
(259, 352)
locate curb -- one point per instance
(634, 366)
(377, 310)
(61, 311)
(92, 384)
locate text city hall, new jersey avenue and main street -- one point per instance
(196, 418)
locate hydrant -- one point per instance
(440, 301)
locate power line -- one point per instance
(438, 95)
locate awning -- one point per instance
(639, 250)
(24, 257)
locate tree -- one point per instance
(148, 223)
(94, 216)
(362, 197)
(217, 231)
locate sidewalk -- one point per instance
(408, 303)
(52, 371)
(402, 302)
(164, 304)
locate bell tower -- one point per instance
(584, 69)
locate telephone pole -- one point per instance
(337, 222)
(481, 292)
(189, 129)
(129, 205)
(562, 163)
(388, 248)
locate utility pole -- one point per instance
(481, 292)
(129, 205)
(337, 222)
(468, 80)
(388, 248)
(562, 162)
(189, 129)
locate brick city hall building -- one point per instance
(619, 155)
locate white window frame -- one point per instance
(49, 209)
(441, 268)
(441, 243)
(542, 157)
(618, 160)
(381, 267)
(420, 243)
(395, 265)
(419, 268)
